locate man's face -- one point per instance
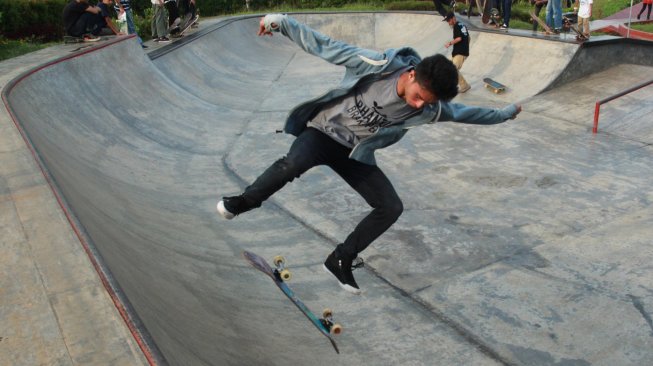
(415, 95)
(452, 21)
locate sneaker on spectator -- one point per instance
(90, 38)
(163, 40)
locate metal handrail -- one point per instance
(597, 107)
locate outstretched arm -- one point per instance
(318, 44)
(478, 115)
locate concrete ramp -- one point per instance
(487, 265)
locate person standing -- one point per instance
(539, 4)
(554, 15)
(507, 9)
(646, 4)
(460, 43)
(382, 96)
(124, 7)
(584, 15)
(159, 22)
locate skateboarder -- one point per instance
(460, 45)
(380, 97)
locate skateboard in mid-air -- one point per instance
(279, 276)
(542, 24)
(496, 87)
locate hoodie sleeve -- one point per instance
(320, 45)
(456, 112)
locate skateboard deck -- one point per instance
(541, 23)
(495, 86)
(186, 26)
(325, 325)
(71, 39)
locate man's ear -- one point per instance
(411, 75)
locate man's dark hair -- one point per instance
(438, 75)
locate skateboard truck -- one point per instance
(327, 321)
(280, 271)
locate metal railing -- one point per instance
(597, 107)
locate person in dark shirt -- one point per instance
(82, 20)
(106, 24)
(460, 45)
(383, 94)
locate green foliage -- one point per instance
(13, 48)
(32, 19)
(41, 19)
(143, 23)
(644, 27)
(605, 8)
(411, 5)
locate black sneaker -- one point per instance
(231, 207)
(341, 269)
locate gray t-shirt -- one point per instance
(359, 114)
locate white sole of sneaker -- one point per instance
(223, 211)
(351, 290)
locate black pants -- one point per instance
(87, 23)
(439, 6)
(538, 8)
(648, 14)
(188, 7)
(313, 148)
(173, 11)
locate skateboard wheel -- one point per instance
(327, 313)
(279, 261)
(285, 275)
(336, 329)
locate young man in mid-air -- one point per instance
(381, 96)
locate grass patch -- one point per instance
(605, 8)
(644, 27)
(13, 48)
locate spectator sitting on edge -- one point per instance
(82, 20)
(106, 25)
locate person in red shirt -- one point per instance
(646, 4)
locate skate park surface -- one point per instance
(524, 243)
